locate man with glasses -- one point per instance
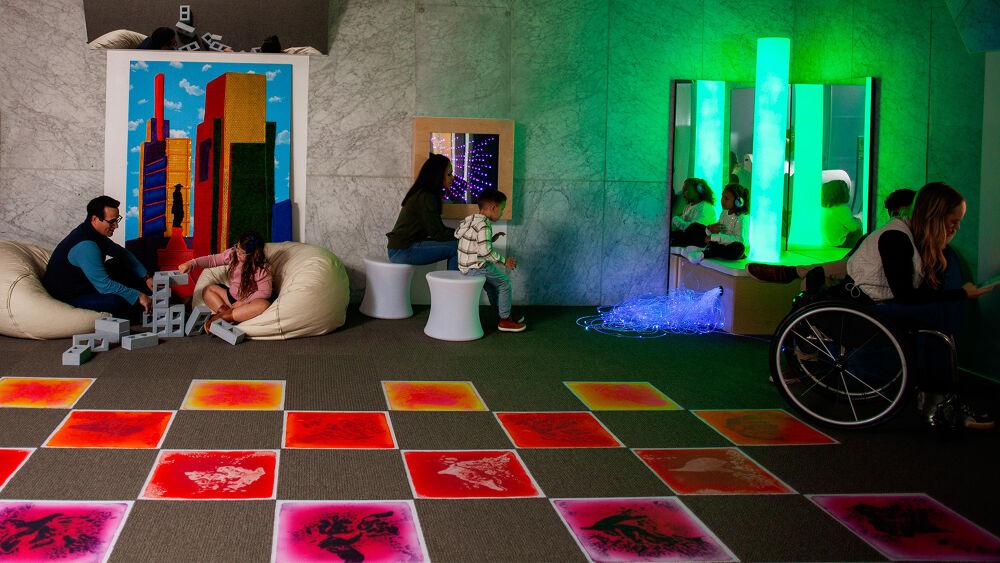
(80, 274)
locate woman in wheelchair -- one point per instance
(847, 362)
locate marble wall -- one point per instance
(586, 82)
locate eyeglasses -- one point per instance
(116, 221)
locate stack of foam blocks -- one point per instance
(166, 320)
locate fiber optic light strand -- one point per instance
(682, 311)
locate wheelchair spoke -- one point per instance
(811, 343)
(850, 401)
(815, 383)
(873, 390)
(820, 338)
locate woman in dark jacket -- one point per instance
(419, 237)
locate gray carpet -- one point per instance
(512, 372)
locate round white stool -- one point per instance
(454, 306)
(387, 289)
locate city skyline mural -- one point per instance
(209, 151)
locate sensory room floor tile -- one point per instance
(767, 427)
(11, 459)
(339, 430)
(432, 396)
(469, 474)
(213, 475)
(347, 530)
(42, 392)
(111, 429)
(711, 471)
(556, 430)
(640, 529)
(621, 396)
(38, 530)
(235, 394)
(911, 527)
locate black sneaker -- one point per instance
(944, 414)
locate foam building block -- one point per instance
(96, 341)
(140, 341)
(112, 328)
(196, 321)
(185, 13)
(172, 324)
(227, 332)
(171, 277)
(184, 28)
(77, 355)
(147, 320)
(192, 46)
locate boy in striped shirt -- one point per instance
(477, 257)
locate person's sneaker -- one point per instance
(974, 420)
(510, 325)
(696, 256)
(771, 273)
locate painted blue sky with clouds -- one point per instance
(184, 107)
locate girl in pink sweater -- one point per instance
(249, 290)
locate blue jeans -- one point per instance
(109, 302)
(426, 252)
(932, 357)
(497, 287)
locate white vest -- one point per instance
(865, 265)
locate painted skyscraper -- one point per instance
(234, 163)
(165, 162)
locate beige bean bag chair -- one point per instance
(311, 287)
(118, 39)
(26, 309)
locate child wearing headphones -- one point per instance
(687, 228)
(727, 238)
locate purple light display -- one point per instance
(474, 161)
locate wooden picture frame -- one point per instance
(423, 127)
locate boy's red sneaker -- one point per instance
(510, 325)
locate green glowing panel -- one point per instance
(807, 155)
(710, 101)
(866, 158)
(770, 121)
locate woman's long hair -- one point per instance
(930, 231)
(255, 261)
(431, 177)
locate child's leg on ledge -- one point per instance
(247, 311)
(215, 297)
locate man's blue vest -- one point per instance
(64, 280)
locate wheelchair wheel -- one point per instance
(839, 365)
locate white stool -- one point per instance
(454, 306)
(387, 289)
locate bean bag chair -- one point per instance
(311, 292)
(118, 39)
(26, 309)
